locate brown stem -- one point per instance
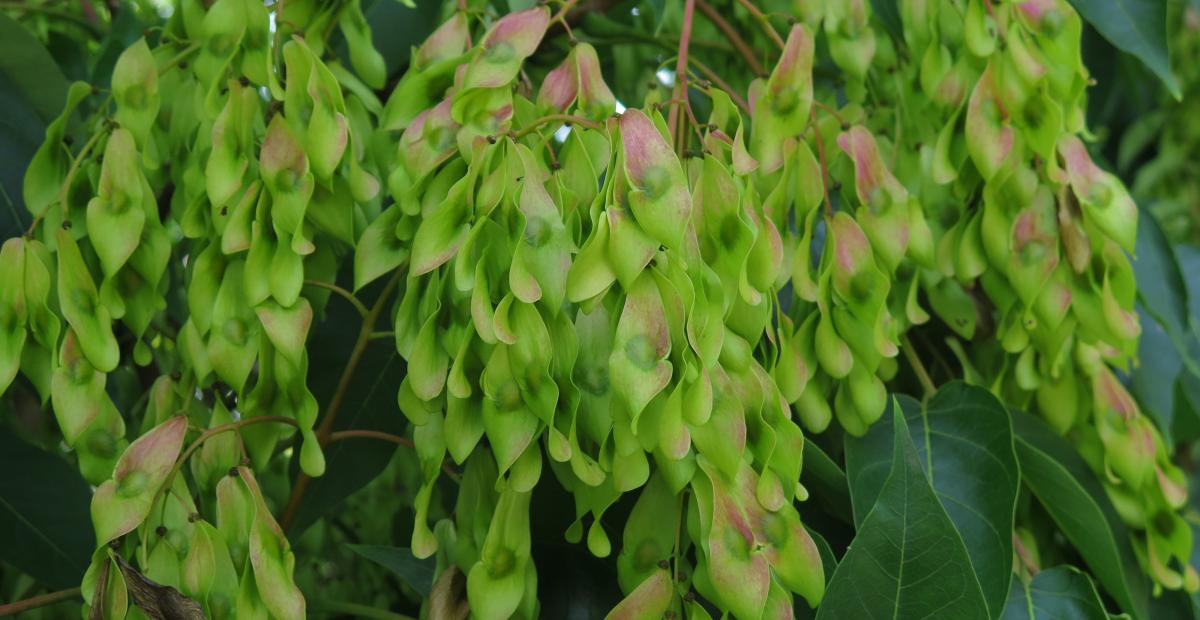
(766, 23)
(41, 600)
(396, 439)
(335, 404)
(831, 111)
(368, 434)
(680, 91)
(731, 33)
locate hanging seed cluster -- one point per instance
(596, 309)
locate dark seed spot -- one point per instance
(233, 472)
(161, 531)
(663, 564)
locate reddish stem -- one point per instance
(680, 91)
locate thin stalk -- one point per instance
(918, 367)
(680, 92)
(824, 168)
(347, 295)
(368, 434)
(356, 610)
(41, 600)
(335, 404)
(731, 33)
(764, 21)
(212, 432)
(396, 439)
(71, 172)
(178, 58)
(563, 118)
(1026, 558)
(57, 13)
(712, 76)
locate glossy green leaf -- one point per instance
(1059, 593)
(1138, 27)
(965, 445)
(907, 560)
(414, 572)
(1070, 492)
(44, 526)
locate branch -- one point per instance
(731, 33)
(70, 178)
(396, 439)
(335, 404)
(680, 91)
(713, 77)
(41, 600)
(356, 610)
(919, 368)
(766, 23)
(368, 434)
(347, 295)
(563, 118)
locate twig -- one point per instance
(766, 23)
(561, 14)
(712, 76)
(347, 295)
(339, 396)
(356, 610)
(41, 600)
(829, 110)
(918, 367)
(70, 178)
(82, 22)
(680, 91)
(824, 168)
(212, 432)
(396, 439)
(178, 58)
(368, 434)
(1023, 554)
(563, 118)
(731, 33)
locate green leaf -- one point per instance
(825, 481)
(1153, 381)
(32, 92)
(369, 404)
(1161, 287)
(27, 64)
(45, 527)
(1072, 495)
(889, 13)
(1059, 593)
(1138, 27)
(965, 445)
(417, 574)
(907, 560)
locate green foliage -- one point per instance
(643, 283)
